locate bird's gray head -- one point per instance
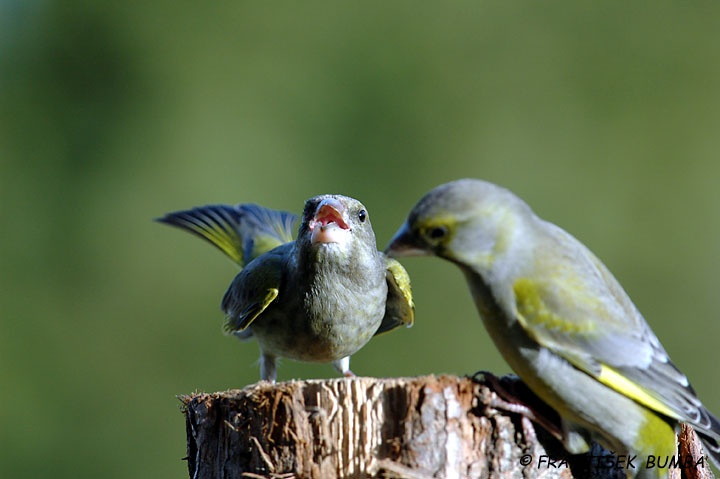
(463, 221)
(335, 220)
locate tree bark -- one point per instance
(414, 428)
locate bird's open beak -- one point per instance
(405, 243)
(329, 225)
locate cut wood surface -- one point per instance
(423, 427)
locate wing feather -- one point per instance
(580, 312)
(254, 289)
(399, 307)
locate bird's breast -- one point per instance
(331, 317)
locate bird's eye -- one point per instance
(362, 216)
(437, 232)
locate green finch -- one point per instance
(319, 298)
(562, 322)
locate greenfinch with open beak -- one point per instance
(319, 298)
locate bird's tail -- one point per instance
(712, 448)
(242, 232)
(709, 432)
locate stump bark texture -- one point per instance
(414, 428)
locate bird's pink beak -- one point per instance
(328, 224)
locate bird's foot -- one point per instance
(508, 401)
(343, 367)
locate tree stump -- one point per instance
(414, 428)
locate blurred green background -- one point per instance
(604, 117)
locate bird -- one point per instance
(318, 298)
(562, 322)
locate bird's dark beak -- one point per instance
(405, 243)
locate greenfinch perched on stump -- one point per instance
(562, 322)
(319, 298)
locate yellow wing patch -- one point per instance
(227, 242)
(534, 311)
(539, 321)
(609, 377)
(401, 280)
(399, 307)
(251, 312)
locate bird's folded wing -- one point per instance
(254, 289)
(581, 313)
(399, 308)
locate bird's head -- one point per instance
(466, 221)
(335, 220)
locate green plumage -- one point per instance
(561, 320)
(320, 297)
(242, 232)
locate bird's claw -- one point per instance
(507, 401)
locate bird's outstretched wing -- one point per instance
(242, 232)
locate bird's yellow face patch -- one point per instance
(436, 232)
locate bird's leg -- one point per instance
(343, 367)
(507, 401)
(268, 372)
